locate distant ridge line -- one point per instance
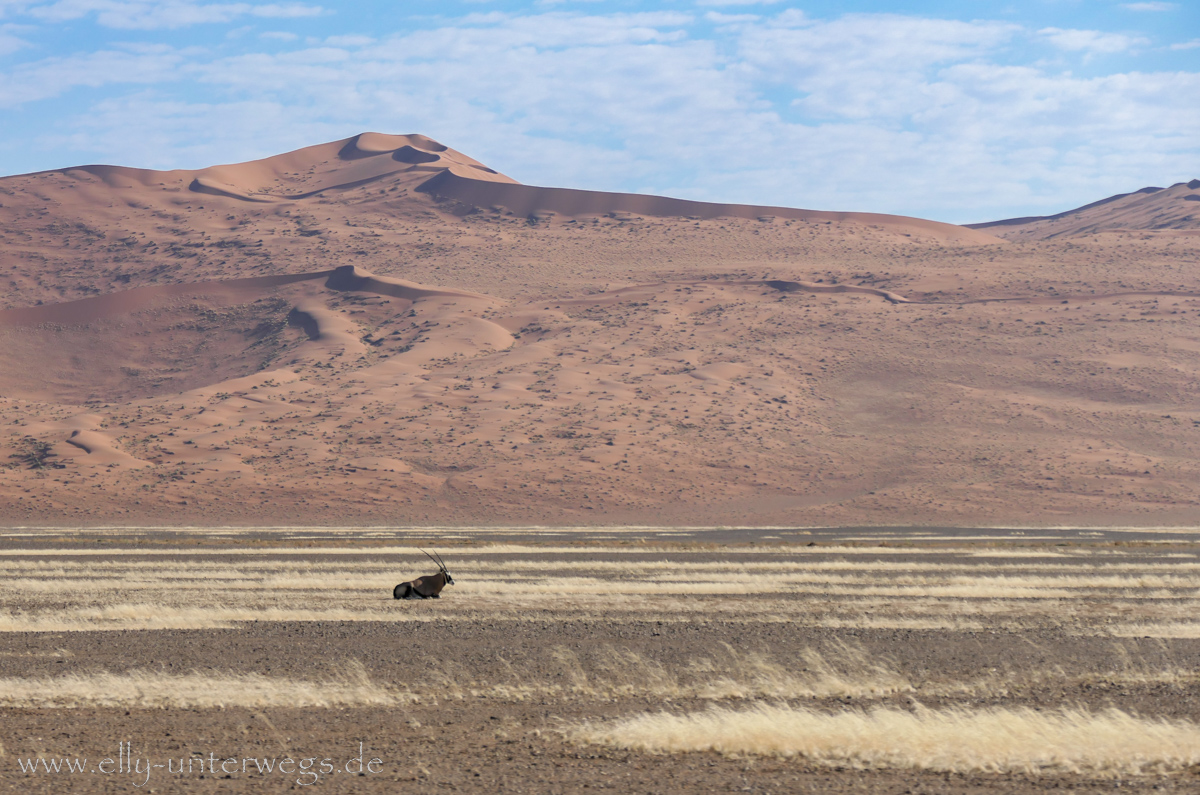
(532, 201)
(1031, 219)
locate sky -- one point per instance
(956, 111)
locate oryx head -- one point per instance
(441, 566)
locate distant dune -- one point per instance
(384, 330)
(391, 162)
(544, 203)
(1176, 208)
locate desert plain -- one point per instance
(657, 661)
(736, 498)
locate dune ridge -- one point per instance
(349, 277)
(302, 174)
(531, 201)
(102, 449)
(1150, 209)
(86, 310)
(341, 278)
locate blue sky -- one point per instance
(957, 111)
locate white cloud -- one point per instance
(9, 41)
(1186, 45)
(349, 41)
(51, 77)
(172, 133)
(278, 35)
(712, 3)
(867, 66)
(158, 14)
(1154, 6)
(1092, 41)
(10, 44)
(716, 17)
(558, 29)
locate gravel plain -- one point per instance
(478, 691)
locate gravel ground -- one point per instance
(468, 726)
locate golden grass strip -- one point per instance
(663, 581)
(959, 740)
(196, 610)
(843, 670)
(158, 690)
(1171, 629)
(679, 564)
(473, 550)
(158, 616)
(610, 673)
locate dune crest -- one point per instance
(330, 329)
(340, 165)
(214, 188)
(418, 166)
(1167, 210)
(542, 203)
(102, 449)
(349, 277)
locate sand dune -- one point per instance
(333, 331)
(211, 186)
(101, 449)
(304, 174)
(91, 309)
(1173, 209)
(348, 277)
(170, 313)
(544, 203)
(317, 337)
(342, 278)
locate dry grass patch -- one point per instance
(1170, 629)
(959, 740)
(468, 551)
(611, 674)
(842, 670)
(353, 687)
(145, 616)
(142, 590)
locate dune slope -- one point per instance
(384, 330)
(1176, 208)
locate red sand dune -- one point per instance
(384, 330)
(530, 201)
(1176, 208)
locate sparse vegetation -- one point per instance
(36, 454)
(957, 740)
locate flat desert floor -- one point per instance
(655, 660)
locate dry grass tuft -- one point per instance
(1170, 629)
(612, 674)
(352, 687)
(844, 671)
(616, 673)
(1110, 743)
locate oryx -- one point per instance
(427, 587)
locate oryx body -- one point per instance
(427, 587)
